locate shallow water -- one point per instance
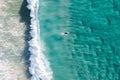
(80, 37)
(12, 44)
(90, 50)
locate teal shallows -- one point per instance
(91, 49)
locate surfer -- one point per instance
(64, 33)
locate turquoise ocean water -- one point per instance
(91, 48)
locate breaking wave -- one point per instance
(39, 66)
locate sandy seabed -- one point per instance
(12, 42)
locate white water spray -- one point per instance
(39, 66)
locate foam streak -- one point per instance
(39, 66)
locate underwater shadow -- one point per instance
(25, 18)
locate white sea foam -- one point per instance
(39, 66)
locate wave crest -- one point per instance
(39, 66)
